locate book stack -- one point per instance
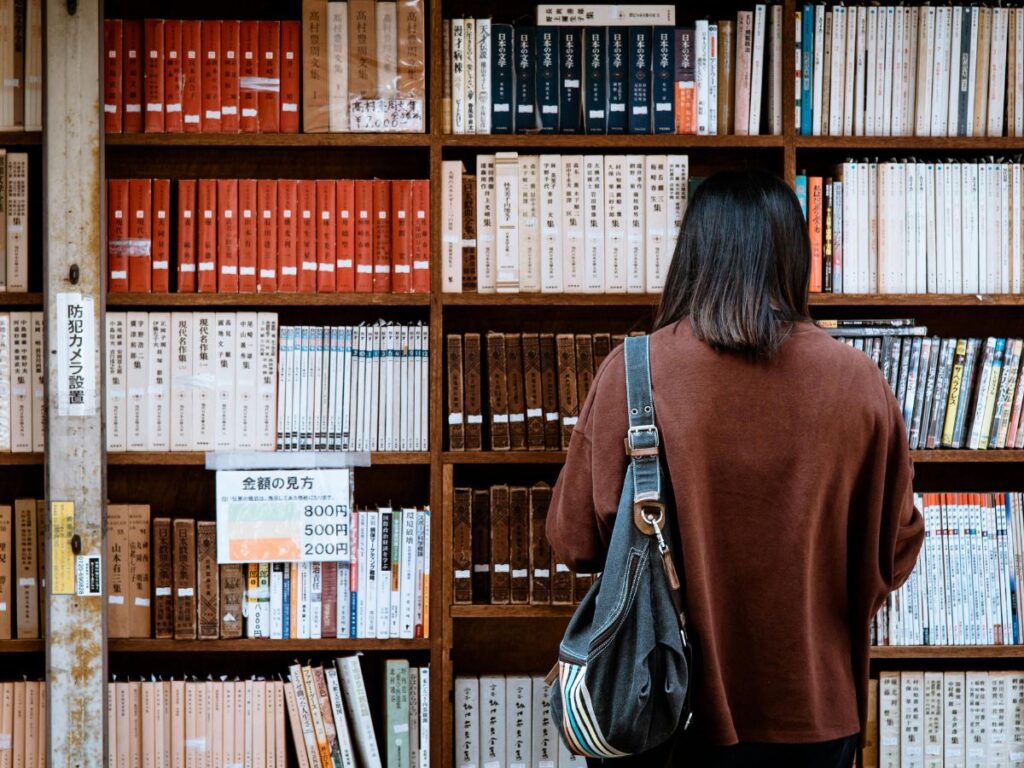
(953, 718)
(267, 235)
(964, 588)
(865, 70)
(22, 570)
(23, 714)
(954, 392)
(611, 69)
(22, 386)
(191, 381)
(361, 388)
(506, 720)
(21, 65)
(500, 553)
(915, 227)
(561, 223)
(364, 66)
(209, 76)
(536, 383)
(331, 722)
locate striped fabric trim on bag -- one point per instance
(579, 723)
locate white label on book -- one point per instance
(482, 568)
(142, 601)
(520, 573)
(501, 568)
(400, 727)
(541, 573)
(454, 418)
(501, 418)
(77, 365)
(186, 592)
(515, 418)
(551, 416)
(88, 575)
(162, 591)
(474, 418)
(115, 599)
(534, 413)
(462, 574)
(570, 421)
(5, 741)
(561, 568)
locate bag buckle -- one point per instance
(647, 430)
(649, 517)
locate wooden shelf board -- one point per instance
(910, 143)
(503, 457)
(653, 299)
(32, 300)
(369, 140)
(20, 459)
(962, 456)
(512, 611)
(632, 142)
(198, 458)
(21, 646)
(262, 646)
(21, 138)
(948, 652)
(916, 299)
(266, 299)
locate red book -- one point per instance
(287, 235)
(401, 236)
(210, 92)
(266, 243)
(229, 68)
(326, 235)
(248, 211)
(815, 229)
(344, 273)
(112, 76)
(206, 235)
(291, 74)
(248, 71)
(227, 235)
(192, 78)
(363, 251)
(270, 72)
(172, 76)
(140, 235)
(381, 236)
(161, 234)
(307, 261)
(421, 236)
(117, 234)
(132, 78)
(186, 235)
(153, 122)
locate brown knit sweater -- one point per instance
(792, 482)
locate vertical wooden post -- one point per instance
(75, 459)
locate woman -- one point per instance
(789, 465)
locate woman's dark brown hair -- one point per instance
(740, 268)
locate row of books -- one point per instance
(332, 724)
(963, 590)
(164, 581)
(210, 76)
(23, 724)
(561, 223)
(22, 385)
(617, 78)
(21, 65)
(954, 393)
(22, 570)
(362, 388)
(267, 235)
(916, 227)
(500, 553)
(506, 720)
(865, 70)
(536, 384)
(970, 718)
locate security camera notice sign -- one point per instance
(283, 515)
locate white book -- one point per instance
(316, 606)
(955, 244)
(305, 604)
(348, 759)
(277, 601)
(657, 246)
(948, 233)
(204, 371)
(422, 568)
(182, 350)
(283, 387)
(942, 59)
(999, 719)
(407, 576)
(593, 203)
(702, 76)
(912, 719)
(529, 224)
(887, 89)
(861, 87)
(712, 81)
(518, 721)
(34, 66)
(38, 381)
(5, 381)
(851, 227)
(266, 381)
(953, 79)
(976, 687)
(385, 401)
(909, 203)
(544, 737)
(373, 413)
(636, 214)
(387, 48)
(997, 70)
(970, 234)
(837, 59)
(245, 380)
(362, 553)
(757, 69)
(224, 423)
(572, 223)
(458, 51)
(358, 706)
(492, 721)
(678, 170)
(898, 64)
(972, 71)
(850, 55)
(485, 211)
(158, 391)
(469, 73)
(615, 213)
(1018, 90)
(115, 392)
(1017, 242)
(1003, 198)
(506, 221)
(889, 722)
(1015, 716)
(424, 724)
(451, 224)
(372, 531)
(909, 92)
(933, 733)
(383, 565)
(337, 65)
(921, 216)
(21, 382)
(550, 215)
(817, 78)
(483, 79)
(136, 377)
(871, 69)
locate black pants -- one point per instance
(688, 754)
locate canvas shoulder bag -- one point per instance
(622, 682)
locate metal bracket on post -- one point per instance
(72, 7)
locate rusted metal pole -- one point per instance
(75, 459)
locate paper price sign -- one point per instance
(283, 515)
